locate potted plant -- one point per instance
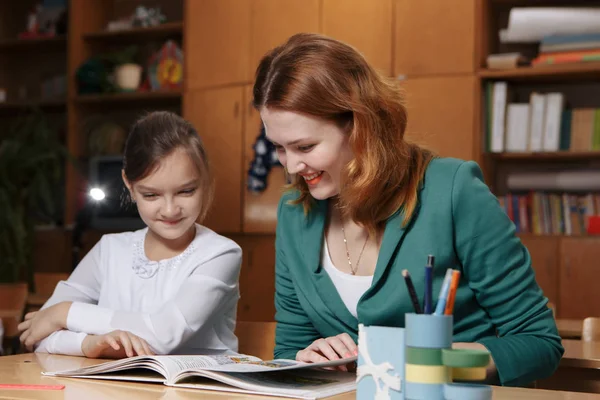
(32, 161)
(127, 73)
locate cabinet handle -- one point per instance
(236, 109)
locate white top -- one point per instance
(350, 287)
(182, 305)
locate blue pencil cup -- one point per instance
(425, 373)
(380, 372)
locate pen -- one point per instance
(443, 296)
(452, 293)
(428, 282)
(411, 291)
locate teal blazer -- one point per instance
(459, 221)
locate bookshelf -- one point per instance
(166, 30)
(88, 37)
(563, 263)
(14, 44)
(140, 98)
(560, 72)
(546, 156)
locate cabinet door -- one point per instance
(434, 39)
(257, 278)
(366, 25)
(440, 114)
(544, 251)
(579, 271)
(260, 209)
(217, 115)
(274, 21)
(216, 42)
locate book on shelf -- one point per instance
(544, 213)
(532, 24)
(545, 124)
(238, 373)
(573, 42)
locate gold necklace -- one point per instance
(352, 270)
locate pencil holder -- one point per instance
(380, 372)
(425, 373)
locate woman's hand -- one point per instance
(41, 324)
(331, 348)
(115, 344)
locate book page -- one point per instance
(167, 366)
(306, 384)
(245, 364)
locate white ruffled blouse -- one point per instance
(182, 305)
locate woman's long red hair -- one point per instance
(322, 77)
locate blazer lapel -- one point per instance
(313, 235)
(312, 247)
(392, 239)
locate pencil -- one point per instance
(428, 282)
(440, 307)
(452, 293)
(411, 291)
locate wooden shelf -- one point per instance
(552, 156)
(523, 235)
(555, 73)
(163, 30)
(134, 97)
(23, 105)
(28, 44)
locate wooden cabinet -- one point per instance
(544, 251)
(274, 21)
(217, 115)
(257, 278)
(260, 209)
(579, 271)
(366, 25)
(216, 43)
(440, 111)
(434, 39)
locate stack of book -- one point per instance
(561, 49)
(544, 213)
(542, 125)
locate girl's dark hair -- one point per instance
(157, 135)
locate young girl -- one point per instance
(367, 204)
(169, 288)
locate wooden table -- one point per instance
(26, 369)
(579, 369)
(569, 328)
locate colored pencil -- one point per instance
(443, 296)
(452, 293)
(411, 291)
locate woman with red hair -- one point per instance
(366, 204)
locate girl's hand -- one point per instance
(115, 344)
(331, 348)
(41, 324)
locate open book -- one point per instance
(238, 373)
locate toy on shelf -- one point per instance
(165, 68)
(141, 17)
(46, 19)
